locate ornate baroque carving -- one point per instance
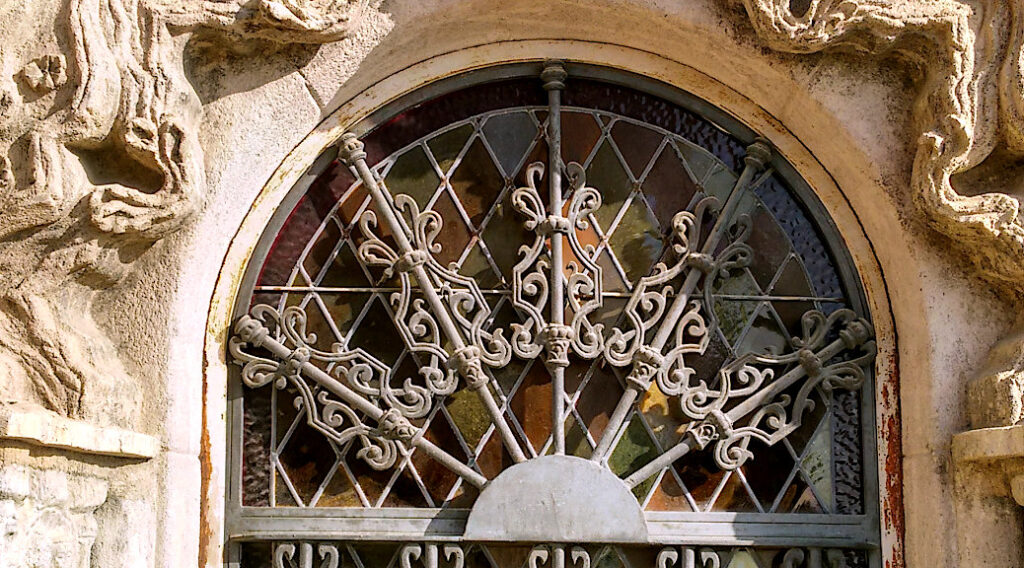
(99, 159)
(971, 101)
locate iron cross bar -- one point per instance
(466, 357)
(295, 364)
(718, 425)
(646, 358)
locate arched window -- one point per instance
(550, 315)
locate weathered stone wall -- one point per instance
(144, 142)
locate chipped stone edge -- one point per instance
(40, 427)
(1002, 447)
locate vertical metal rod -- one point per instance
(554, 81)
(758, 155)
(558, 556)
(352, 152)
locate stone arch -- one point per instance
(850, 194)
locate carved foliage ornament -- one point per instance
(115, 95)
(971, 102)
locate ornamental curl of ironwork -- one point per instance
(557, 289)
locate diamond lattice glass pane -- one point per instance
(477, 183)
(463, 157)
(414, 175)
(510, 136)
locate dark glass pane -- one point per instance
(580, 132)
(637, 144)
(413, 175)
(447, 147)
(608, 176)
(669, 496)
(477, 182)
(668, 187)
(454, 236)
(510, 136)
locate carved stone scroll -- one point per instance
(99, 159)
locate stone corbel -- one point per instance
(996, 452)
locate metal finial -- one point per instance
(351, 149)
(759, 153)
(553, 75)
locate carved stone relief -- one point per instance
(46, 517)
(969, 121)
(99, 159)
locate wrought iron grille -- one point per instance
(555, 311)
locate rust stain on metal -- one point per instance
(891, 434)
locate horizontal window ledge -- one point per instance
(40, 427)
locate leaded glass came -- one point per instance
(531, 268)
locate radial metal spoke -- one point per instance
(647, 359)
(764, 401)
(330, 416)
(467, 358)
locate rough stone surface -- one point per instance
(47, 517)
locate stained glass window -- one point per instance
(526, 278)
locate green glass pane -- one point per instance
(817, 462)
(698, 159)
(344, 270)
(447, 146)
(477, 267)
(477, 182)
(504, 236)
(576, 443)
(792, 281)
(609, 559)
(743, 559)
(376, 333)
(469, 415)
(413, 175)
(634, 450)
(637, 242)
(510, 136)
(607, 175)
(764, 335)
(720, 183)
(344, 308)
(732, 315)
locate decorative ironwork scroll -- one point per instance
(556, 288)
(306, 554)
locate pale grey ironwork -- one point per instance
(447, 326)
(300, 555)
(556, 288)
(559, 499)
(547, 555)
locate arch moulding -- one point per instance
(813, 140)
